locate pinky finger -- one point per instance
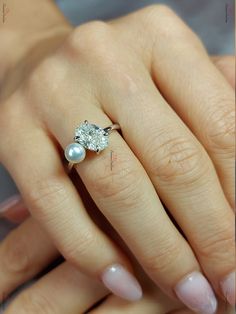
(63, 290)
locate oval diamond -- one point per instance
(91, 136)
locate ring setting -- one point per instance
(88, 136)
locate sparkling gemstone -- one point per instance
(91, 136)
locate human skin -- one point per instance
(65, 289)
(127, 75)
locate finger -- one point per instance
(54, 202)
(223, 308)
(226, 64)
(212, 119)
(153, 302)
(23, 254)
(63, 290)
(114, 305)
(180, 169)
(14, 209)
(211, 116)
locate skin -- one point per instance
(18, 213)
(65, 289)
(178, 154)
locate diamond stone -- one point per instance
(91, 136)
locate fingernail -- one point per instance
(9, 203)
(120, 282)
(228, 288)
(196, 293)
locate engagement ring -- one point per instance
(88, 136)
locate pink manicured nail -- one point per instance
(196, 293)
(9, 203)
(117, 279)
(228, 288)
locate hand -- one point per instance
(105, 72)
(65, 289)
(14, 208)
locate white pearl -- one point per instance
(75, 153)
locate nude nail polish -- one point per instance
(10, 202)
(228, 288)
(196, 293)
(122, 283)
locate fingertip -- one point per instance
(13, 209)
(9, 203)
(122, 283)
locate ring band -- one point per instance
(88, 136)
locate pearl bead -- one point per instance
(75, 153)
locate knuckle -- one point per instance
(176, 159)
(164, 25)
(152, 17)
(16, 257)
(30, 302)
(90, 38)
(47, 197)
(165, 22)
(167, 255)
(221, 126)
(156, 9)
